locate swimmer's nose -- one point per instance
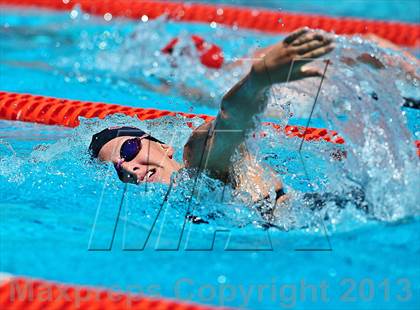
(136, 170)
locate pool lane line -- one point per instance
(64, 112)
(266, 20)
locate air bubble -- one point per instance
(144, 18)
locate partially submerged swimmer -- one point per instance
(212, 57)
(214, 147)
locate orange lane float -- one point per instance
(405, 34)
(23, 294)
(64, 112)
(55, 111)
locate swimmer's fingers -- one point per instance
(294, 35)
(309, 47)
(316, 35)
(316, 53)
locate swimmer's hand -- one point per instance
(299, 48)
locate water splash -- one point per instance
(362, 100)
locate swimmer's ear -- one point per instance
(169, 150)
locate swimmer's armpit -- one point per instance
(282, 201)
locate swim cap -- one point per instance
(101, 138)
(211, 55)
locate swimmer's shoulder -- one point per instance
(199, 153)
(195, 145)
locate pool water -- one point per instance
(59, 210)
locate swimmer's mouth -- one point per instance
(149, 176)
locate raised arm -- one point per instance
(248, 98)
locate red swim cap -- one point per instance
(211, 55)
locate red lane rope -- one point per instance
(54, 111)
(23, 294)
(258, 19)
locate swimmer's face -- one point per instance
(154, 162)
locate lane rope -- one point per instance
(405, 34)
(22, 293)
(64, 112)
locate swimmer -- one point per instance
(214, 147)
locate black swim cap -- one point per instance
(106, 135)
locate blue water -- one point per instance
(58, 210)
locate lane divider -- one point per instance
(64, 112)
(406, 34)
(22, 294)
(55, 111)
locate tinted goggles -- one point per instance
(129, 150)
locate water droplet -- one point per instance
(107, 16)
(102, 45)
(332, 272)
(347, 105)
(213, 25)
(74, 14)
(144, 18)
(221, 279)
